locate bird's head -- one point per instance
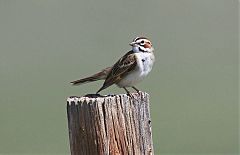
(141, 44)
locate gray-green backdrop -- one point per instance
(45, 44)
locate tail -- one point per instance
(98, 76)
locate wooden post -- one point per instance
(112, 125)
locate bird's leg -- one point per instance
(128, 93)
(138, 91)
(126, 90)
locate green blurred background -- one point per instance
(46, 44)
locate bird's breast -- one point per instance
(144, 66)
(145, 62)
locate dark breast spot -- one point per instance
(143, 60)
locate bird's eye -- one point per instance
(142, 42)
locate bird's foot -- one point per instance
(130, 95)
(111, 95)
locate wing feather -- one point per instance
(120, 69)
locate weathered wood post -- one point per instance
(113, 125)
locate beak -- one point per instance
(132, 43)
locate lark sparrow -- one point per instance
(129, 69)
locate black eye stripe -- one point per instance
(141, 44)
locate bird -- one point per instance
(129, 70)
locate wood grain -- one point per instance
(112, 125)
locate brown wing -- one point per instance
(121, 68)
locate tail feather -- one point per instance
(84, 80)
(98, 76)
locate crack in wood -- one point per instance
(110, 125)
